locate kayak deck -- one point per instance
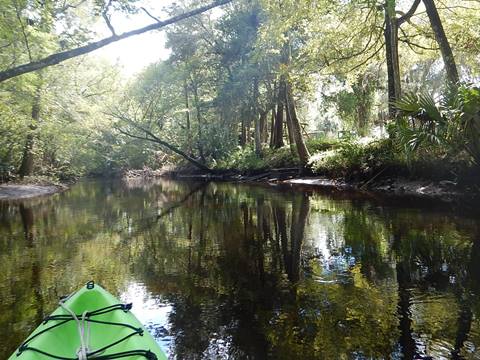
(109, 329)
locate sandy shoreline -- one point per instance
(19, 192)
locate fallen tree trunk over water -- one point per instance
(152, 138)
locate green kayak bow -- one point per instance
(90, 324)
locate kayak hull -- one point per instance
(108, 326)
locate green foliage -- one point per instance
(321, 144)
(449, 127)
(222, 76)
(70, 123)
(352, 160)
(247, 161)
(354, 102)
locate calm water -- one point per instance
(219, 271)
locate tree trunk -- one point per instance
(302, 150)
(291, 138)
(243, 131)
(441, 37)
(258, 143)
(259, 127)
(391, 47)
(263, 127)
(187, 118)
(272, 128)
(248, 123)
(278, 126)
(26, 168)
(362, 92)
(199, 121)
(257, 121)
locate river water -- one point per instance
(220, 270)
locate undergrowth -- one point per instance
(247, 161)
(353, 161)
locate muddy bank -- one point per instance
(441, 190)
(20, 191)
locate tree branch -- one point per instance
(65, 55)
(153, 17)
(409, 13)
(107, 18)
(25, 37)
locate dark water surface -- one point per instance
(219, 271)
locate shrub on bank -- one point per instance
(351, 160)
(247, 161)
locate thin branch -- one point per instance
(153, 17)
(410, 44)
(66, 6)
(109, 24)
(6, 45)
(22, 26)
(362, 51)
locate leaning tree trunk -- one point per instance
(391, 47)
(149, 136)
(26, 167)
(441, 37)
(302, 149)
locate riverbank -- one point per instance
(30, 188)
(445, 190)
(373, 167)
(18, 192)
(442, 190)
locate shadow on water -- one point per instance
(218, 270)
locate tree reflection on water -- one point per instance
(223, 270)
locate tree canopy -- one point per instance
(256, 84)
